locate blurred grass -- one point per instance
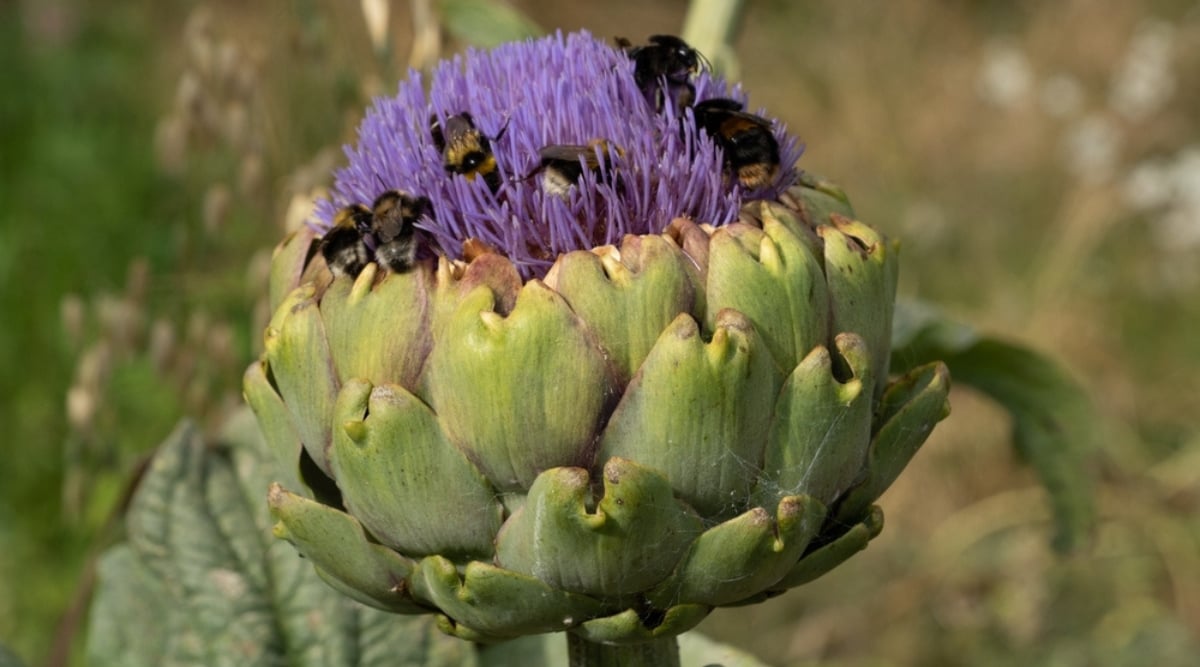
(997, 230)
(78, 180)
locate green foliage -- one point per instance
(76, 180)
(7, 659)
(1052, 419)
(202, 582)
(486, 23)
(978, 195)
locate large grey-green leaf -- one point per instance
(1051, 414)
(486, 23)
(7, 659)
(130, 616)
(201, 581)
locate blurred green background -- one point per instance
(1039, 161)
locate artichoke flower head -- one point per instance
(608, 386)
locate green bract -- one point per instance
(693, 419)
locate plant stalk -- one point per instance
(710, 27)
(657, 653)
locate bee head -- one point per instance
(353, 216)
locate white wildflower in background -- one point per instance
(1061, 96)
(1147, 186)
(925, 222)
(1005, 77)
(1144, 82)
(1091, 147)
(1179, 227)
(1171, 189)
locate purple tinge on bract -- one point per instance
(556, 90)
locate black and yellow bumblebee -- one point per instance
(465, 149)
(388, 225)
(668, 58)
(393, 216)
(343, 247)
(562, 165)
(751, 153)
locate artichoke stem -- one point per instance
(662, 652)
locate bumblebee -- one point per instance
(465, 150)
(562, 165)
(750, 150)
(667, 58)
(392, 218)
(343, 247)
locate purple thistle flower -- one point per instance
(523, 96)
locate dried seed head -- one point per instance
(217, 201)
(71, 312)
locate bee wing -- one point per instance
(387, 227)
(563, 152)
(719, 104)
(392, 221)
(457, 126)
(738, 122)
(669, 41)
(435, 130)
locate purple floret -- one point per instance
(556, 90)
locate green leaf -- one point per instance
(291, 256)
(494, 380)
(740, 557)
(907, 413)
(1052, 416)
(624, 541)
(628, 627)
(822, 426)
(409, 487)
(861, 269)
(819, 199)
(7, 659)
(698, 412)
(774, 278)
(300, 362)
(278, 429)
(202, 582)
(486, 23)
(485, 602)
(628, 297)
(341, 552)
(379, 333)
(130, 617)
(818, 562)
